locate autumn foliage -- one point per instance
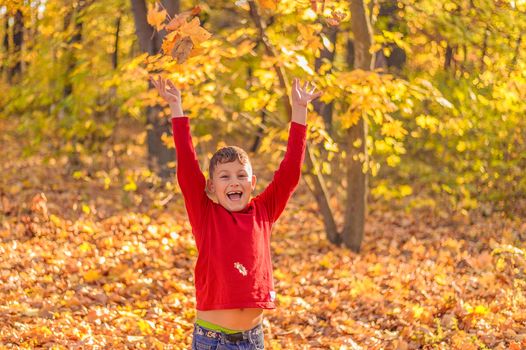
(79, 267)
(95, 247)
(184, 36)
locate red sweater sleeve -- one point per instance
(286, 178)
(189, 175)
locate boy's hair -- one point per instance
(226, 155)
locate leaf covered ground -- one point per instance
(80, 268)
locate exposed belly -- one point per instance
(236, 319)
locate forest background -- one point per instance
(422, 114)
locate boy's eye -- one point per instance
(224, 177)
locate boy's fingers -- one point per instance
(172, 92)
(152, 80)
(172, 85)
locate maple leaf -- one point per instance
(178, 21)
(310, 36)
(181, 49)
(182, 18)
(169, 42)
(156, 17)
(193, 29)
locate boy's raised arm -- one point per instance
(189, 175)
(286, 178)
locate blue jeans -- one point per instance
(206, 339)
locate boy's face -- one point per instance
(232, 183)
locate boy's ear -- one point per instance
(210, 186)
(254, 180)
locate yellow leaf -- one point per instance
(55, 220)
(417, 311)
(393, 160)
(156, 18)
(350, 118)
(92, 275)
(130, 186)
(85, 208)
(85, 247)
(86, 228)
(394, 129)
(146, 327)
(441, 279)
(325, 168)
(481, 310)
(309, 36)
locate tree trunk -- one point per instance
(325, 110)
(115, 56)
(75, 38)
(5, 62)
(321, 195)
(449, 57)
(517, 52)
(18, 39)
(356, 206)
(75, 15)
(150, 42)
(484, 48)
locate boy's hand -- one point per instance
(301, 96)
(172, 95)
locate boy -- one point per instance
(233, 273)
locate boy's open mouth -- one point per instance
(234, 195)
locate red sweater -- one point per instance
(234, 266)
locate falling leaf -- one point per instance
(156, 17)
(193, 29)
(182, 18)
(182, 49)
(169, 42)
(177, 21)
